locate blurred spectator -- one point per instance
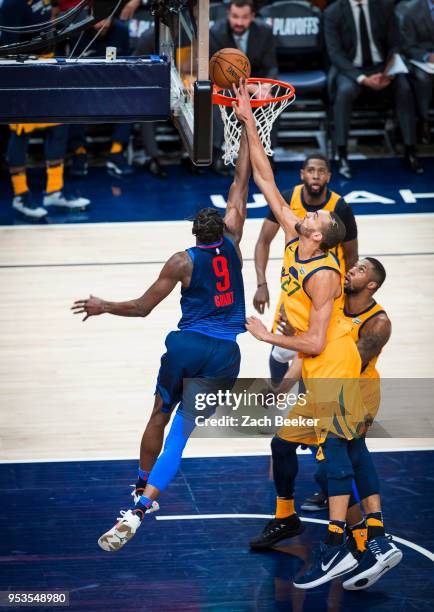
(55, 146)
(112, 33)
(360, 37)
(20, 13)
(254, 38)
(417, 42)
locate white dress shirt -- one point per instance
(376, 56)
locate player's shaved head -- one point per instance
(378, 272)
(208, 226)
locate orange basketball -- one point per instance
(228, 66)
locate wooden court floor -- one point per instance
(73, 390)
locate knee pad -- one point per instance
(282, 355)
(338, 466)
(366, 476)
(278, 369)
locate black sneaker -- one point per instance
(315, 503)
(277, 530)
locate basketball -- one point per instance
(228, 66)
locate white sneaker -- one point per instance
(121, 533)
(23, 203)
(58, 198)
(124, 530)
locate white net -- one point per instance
(264, 116)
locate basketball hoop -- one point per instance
(268, 98)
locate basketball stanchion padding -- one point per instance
(268, 98)
(85, 91)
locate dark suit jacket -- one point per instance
(260, 47)
(341, 35)
(417, 29)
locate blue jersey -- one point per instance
(213, 304)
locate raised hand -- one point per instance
(241, 106)
(92, 306)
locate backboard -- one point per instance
(184, 38)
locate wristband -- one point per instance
(261, 284)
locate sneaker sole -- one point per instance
(345, 566)
(374, 573)
(313, 507)
(69, 207)
(116, 538)
(114, 171)
(278, 538)
(29, 212)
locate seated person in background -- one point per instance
(114, 34)
(255, 39)
(359, 42)
(416, 20)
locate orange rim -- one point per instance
(219, 98)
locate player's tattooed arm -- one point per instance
(176, 269)
(374, 335)
(262, 171)
(236, 208)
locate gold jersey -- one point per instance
(297, 302)
(357, 321)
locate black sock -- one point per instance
(410, 150)
(375, 524)
(140, 484)
(335, 533)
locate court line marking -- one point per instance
(264, 453)
(258, 220)
(163, 261)
(192, 517)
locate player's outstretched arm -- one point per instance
(176, 269)
(237, 198)
(262, 171)
(262, 253)
(323, 289)
(374, 335)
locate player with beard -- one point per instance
(332, 413)
(312, 194)
(370, 329)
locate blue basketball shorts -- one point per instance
(212, 363)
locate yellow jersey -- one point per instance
(295, 299)
(357, 321)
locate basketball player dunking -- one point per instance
(331, 365)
